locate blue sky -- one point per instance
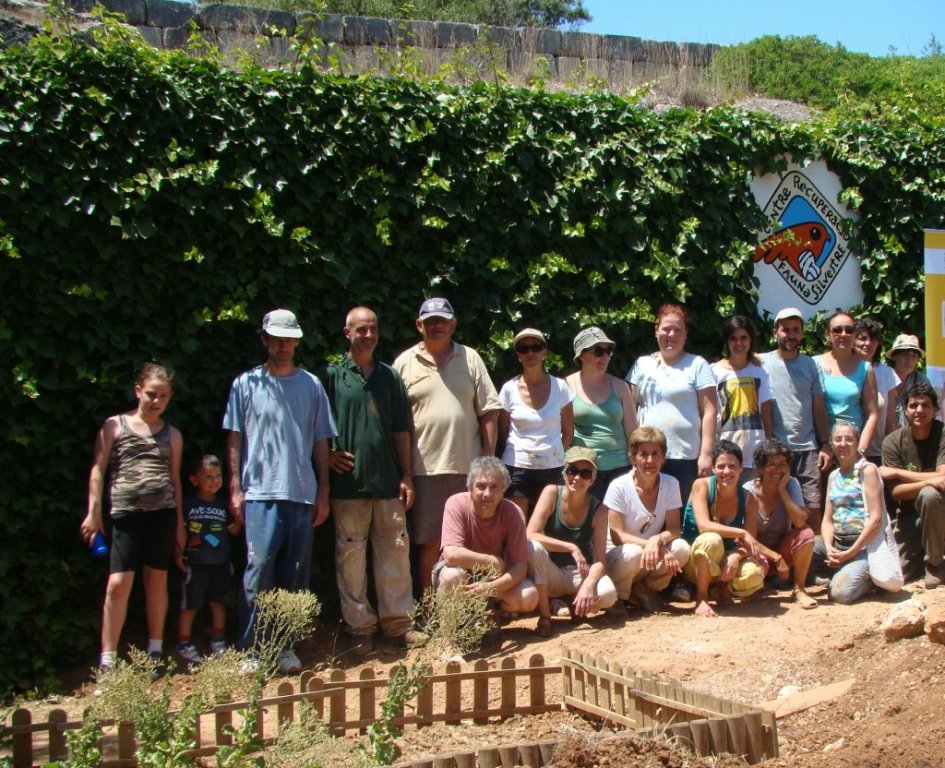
(864, 26)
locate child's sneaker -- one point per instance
(189, 653)
(218, 647)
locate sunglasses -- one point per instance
(524, 349)
(601, 351)
(584, 474)
(842, 329)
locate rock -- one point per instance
(904, 620)
(935, 623)
(787, 691)
(833, 746)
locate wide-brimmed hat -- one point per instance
(906, 341)
(589, 337)
(282, 324)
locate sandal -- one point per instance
(544, 627)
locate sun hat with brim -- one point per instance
(581, 453)
(529, 333)
(904, 342)
(588, 338)
(282, 324)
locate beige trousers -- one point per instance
(625, 565)
(383, 522)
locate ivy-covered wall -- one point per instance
(155, 206)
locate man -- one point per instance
(481, 529)
(798, 414)
(279, 424)
(455, 415)
(371, 487)
(914, 469)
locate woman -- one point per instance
(869, 342)
(853, 516)
(567, 539)
(782, 517)
(536, 423)
(643, 509)
(719, 522)
(675, 391)
(744, 391)
(904, 356)
(604, 415)
(848, 381)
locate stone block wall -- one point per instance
(467, 51)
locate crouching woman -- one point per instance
(719, 522)
(853, 519)
(567, 541)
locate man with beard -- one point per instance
(798, 413)
(914, 469)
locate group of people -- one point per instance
(563, 496)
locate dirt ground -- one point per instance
(755, 651)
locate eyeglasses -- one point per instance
(584, 474)
(837, 330)
(524, 349)
(601, 351)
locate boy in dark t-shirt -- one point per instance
(206, 559)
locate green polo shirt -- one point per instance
(368, 412)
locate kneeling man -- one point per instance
(483, 529)
(914, 468)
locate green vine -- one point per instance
(155, 205)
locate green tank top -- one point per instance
(600, 426)
(583, 535)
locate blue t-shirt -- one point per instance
(280, 419)
(208, 542)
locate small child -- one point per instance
(206, 559)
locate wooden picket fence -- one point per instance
(708, 724)
(478, 693)
(589, 684)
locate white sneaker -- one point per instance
(289, 662)
(189, 652)
(217, 647)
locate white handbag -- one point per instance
(882, 552)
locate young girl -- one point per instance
(744, 392)
(138, 455)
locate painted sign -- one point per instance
(935, 306)
(803, 259)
